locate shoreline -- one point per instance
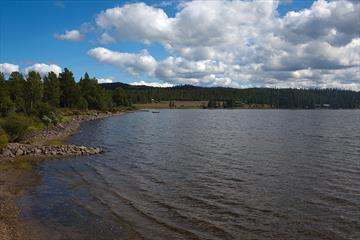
(17, 176)
(49, 142)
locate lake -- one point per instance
(206, 174)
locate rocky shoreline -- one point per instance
(37, 144)
(13, 150)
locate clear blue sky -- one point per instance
(27, 31)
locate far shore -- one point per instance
(181, 104)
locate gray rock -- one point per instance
(19, 152)
(38, 151)
(7, 153)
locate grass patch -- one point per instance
(23, 165)
(55, 142)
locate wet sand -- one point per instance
(15, 181)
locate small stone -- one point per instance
(19, 152)
(38, 151)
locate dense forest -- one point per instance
(274, 98)
(38, 96)
(32, 103)
(34, 94)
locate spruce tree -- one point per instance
(33, 90)
(52, 90)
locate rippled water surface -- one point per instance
(207, 174)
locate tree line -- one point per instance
(272, 97)
(32, 94)
(31, 103)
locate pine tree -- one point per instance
(120, 97)
(6, 105)
(33, 90)
(70, 93)
(52, 90)
(16, 84)
(91, 91)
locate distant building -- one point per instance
(325, 105)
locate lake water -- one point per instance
(207, 174)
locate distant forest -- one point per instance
(33, 95)
(274, 98)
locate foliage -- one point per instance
(82, 104)
(28, 105)
(48, 114)
(33, 90)
(3, 138)
(6, 106)
(52, 91)
(15, 126)
(36, 124)
(120, 97)
(4, 91)
(274, 98)
(16, 85)
(70, 92)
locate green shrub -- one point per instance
(46, 120)
(3, 138)
(52, 118)
(6, 106)
(15, 126)
(82, 104)
(43, 109)
(56, 117)
(20, 105)
(35, 124)
(48, 114)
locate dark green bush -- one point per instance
(43, 109)
(15, 126)
(6, 107)
(3, 138)
(82, 104)
(48, 114)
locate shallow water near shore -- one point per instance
(206, 174)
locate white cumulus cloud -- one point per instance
(239, 43)
(152, 84)
(43, 68)
(71, 35)
(105, 80)
(106, 38)
(134, 63)
(8, 68)
(136, 21)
